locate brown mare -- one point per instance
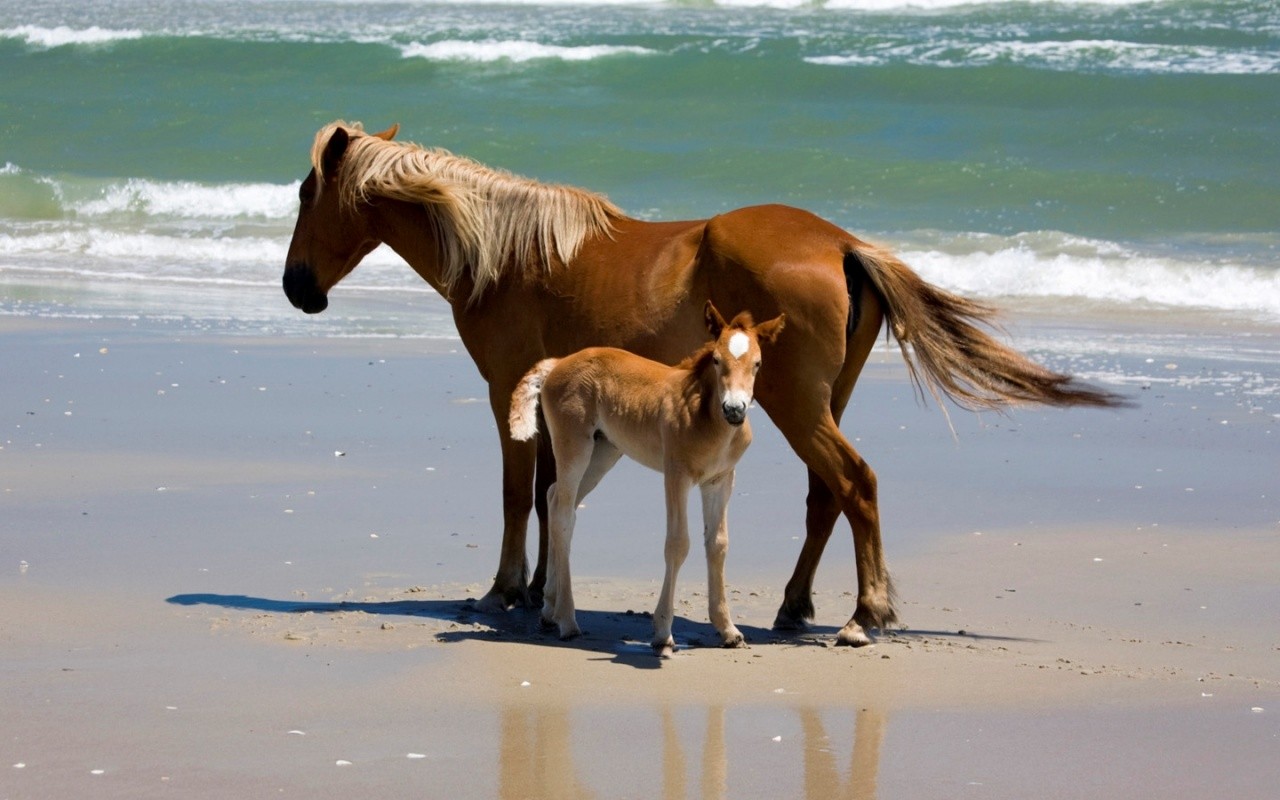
(688, 422)
(534, 270)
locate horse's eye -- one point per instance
(715, 360)
(756, 367)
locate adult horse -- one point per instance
(533, 270)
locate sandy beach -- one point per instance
(239, 567)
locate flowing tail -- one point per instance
(949, 355)
(524, 401)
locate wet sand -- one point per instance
(243, 568)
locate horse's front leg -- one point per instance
(715, 516)
(510, 583)
(544, 477)
(675, 551)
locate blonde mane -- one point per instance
(486, 221)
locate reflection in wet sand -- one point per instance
(537, 758)
(821, 774)
(536, 755)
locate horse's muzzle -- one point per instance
(302, 289)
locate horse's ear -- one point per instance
(715, 322)
(334, 151)
(768, 331)
(389, 133)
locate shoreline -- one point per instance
(204, 598)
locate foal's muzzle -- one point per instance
(302, 289)
(734, 414)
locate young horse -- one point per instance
(534, 270)
(689, 422)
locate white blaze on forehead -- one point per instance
(737, 398)
(739, 344)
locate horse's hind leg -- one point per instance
(821, 512)
(822, 508)
(839, 481)
(853, 484)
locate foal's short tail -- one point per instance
(523, 420)
(954, 357)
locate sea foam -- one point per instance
(61, 35)
(513, 50)
(1049, 265)
(1085, 55)
(185, 199)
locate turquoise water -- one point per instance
(1112, 156)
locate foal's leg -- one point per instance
(573, 458)
(715, 517)
(675, 551)
(604, 455)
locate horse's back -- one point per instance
(777, 259)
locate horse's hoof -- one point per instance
(786, 622)
(852, 635)
(570, 633)
(794, 615)
(495, 602)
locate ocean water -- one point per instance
(1104, 158)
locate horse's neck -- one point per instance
(407, 229)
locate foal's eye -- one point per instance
(715, 360)
(756, 367)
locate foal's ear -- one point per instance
(715, 322)
(334, 151)
(768, 331)
(388, 134)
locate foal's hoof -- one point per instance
(733, 639)
(568, 632)
(664, 648)
(852, 635)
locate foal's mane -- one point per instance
(487, 222)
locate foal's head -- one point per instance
(735, 357)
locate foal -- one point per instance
(689, 422)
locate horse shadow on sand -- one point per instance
(621, 636)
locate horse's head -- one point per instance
(330, 237)
(735, 356)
